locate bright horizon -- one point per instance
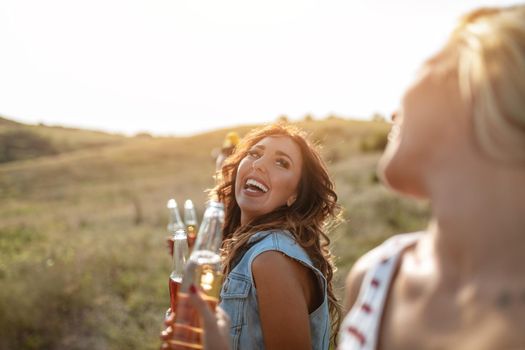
(182, 67)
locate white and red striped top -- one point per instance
(360, 327)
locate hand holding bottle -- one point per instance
(202, 271)
(216, 326)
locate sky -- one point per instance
(181, 67)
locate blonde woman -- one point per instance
(459, 140)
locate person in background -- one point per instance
(278, 200)
(459, 140)
(230, 142)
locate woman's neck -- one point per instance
(478, 228)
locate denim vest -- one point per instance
(239, 295)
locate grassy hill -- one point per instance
(82, 257)
(20, 141)
(4, 122)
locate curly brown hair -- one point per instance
(308, 219)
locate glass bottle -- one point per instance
(190, 220)
(175, 222)
(180, 256)
(203, 270)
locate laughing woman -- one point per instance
(278, 199)
(278, 269)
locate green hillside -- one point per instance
(21, 141)
(82, 258)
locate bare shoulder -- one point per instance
(276, 266)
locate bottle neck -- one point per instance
(210, 232)
(175, 219)
(180, 233)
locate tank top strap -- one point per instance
(360, 328)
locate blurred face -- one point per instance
(427, 134)
(268, 176)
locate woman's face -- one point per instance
(268, 176)
(428, 133)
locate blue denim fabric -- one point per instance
(239, 296)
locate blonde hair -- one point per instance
(489, 48)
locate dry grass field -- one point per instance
(82, 258)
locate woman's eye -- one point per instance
(283, 163)
(253, 153)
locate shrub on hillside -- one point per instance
(283, 119)
(99, 292)
(23, 144)
(375, 142)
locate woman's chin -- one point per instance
(401, 179)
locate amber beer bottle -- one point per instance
(175, 222)
(203, 270)
(190, 220)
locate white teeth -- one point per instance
(257, 184)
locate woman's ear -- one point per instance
(291, 200)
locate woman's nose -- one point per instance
(259, 164)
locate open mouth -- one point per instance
(255, 186)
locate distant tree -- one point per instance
(308, 118)
(283, 119)
(22, 144)
(333, 117)
(378, 117)
(143, 135)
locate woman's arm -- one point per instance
(286, 290)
